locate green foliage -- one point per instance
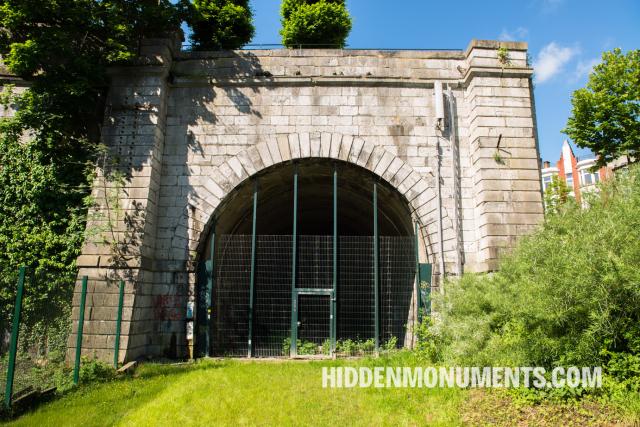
(92, 370)
(345, 347)
(429, 345)
(606, 114)
(314, 23)
(307, 348)
(390, 345)
(326, 347)
(48, 148)
(568, 295)
(556, 195)
(41, 226)
(221, 24)
(350, 347)
(503, 56)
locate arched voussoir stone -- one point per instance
(416, 189)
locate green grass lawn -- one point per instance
(243, 393)
(275, 393)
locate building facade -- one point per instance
(263, 187)
(576, 173)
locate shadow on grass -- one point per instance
(112, 398)
(151, 370)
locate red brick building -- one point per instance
(576, 173)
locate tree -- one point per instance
(315, 23)
(47, 149)
(606, 114)
(556, 195)
(221, 24)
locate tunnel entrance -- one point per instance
(266, 288)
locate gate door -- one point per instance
(312, 322)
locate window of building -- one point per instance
(546, 180)
(589, 178)
(569, 180)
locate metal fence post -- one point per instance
(376, 278)
(334, 297)
(253, 268)
(116, 351)
(418, 281)
(210, 279)
(83, 299)
(293, 349)
(14, 338)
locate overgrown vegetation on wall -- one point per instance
(48, 149)
(315, 23)
(569, 295)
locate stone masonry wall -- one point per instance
(187, 128)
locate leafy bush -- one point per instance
(94, 370)
(221, 24)
(314, 23)
(568, 295)
(41, 226)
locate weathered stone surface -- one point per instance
(218, 123)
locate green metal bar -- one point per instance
(418, 282)
(83, 300)
(294, 255)
(376, 278)
(210, 280)
(116, 351)
(425, 276)
(13, 349)
(313, 291)
(252, 277)
(334, 297)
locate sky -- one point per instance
(566, 38)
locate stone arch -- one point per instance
(414, 187)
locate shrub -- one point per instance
(94, 370)
(314, 23)
(221, 24)
(568, 295)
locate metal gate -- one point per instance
(288, 295)
(307, 315)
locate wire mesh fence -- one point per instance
(274, 297)
(230, 311)
(35, 356)
(35, 333)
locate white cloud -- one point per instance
(583, 68)
(551, 5)
(551, 60)
(519, 33)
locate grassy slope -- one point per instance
(242, 393)
(290, 393)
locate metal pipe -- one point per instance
(253, 268)
(294, 297)
(439, 208)
(455, 166)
